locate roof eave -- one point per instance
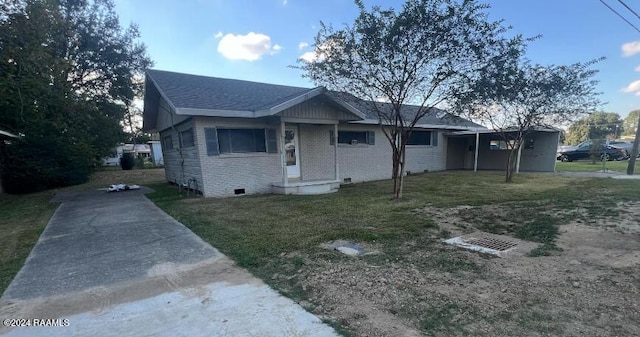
(215, 113)
(370, 121)
(154, 128)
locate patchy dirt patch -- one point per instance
(628, 220)
(423, 287)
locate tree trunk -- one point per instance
(394, 175)
(398, 195)
(510, 165)
(634, 150)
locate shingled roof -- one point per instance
(212, 93)
(211, 96)
(435, 116)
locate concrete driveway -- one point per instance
(114, 264)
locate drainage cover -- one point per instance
(484, 244)
(492, 243)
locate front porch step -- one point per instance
(308, 187)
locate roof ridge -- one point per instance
(228, 79)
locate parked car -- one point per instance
(584, 151)
(624, 144)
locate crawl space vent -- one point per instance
(238, 191)
(347, 180)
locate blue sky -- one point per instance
(205, 37)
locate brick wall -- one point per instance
(181, 168)
(221, 175)
(317, 158)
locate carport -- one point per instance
(487, 150)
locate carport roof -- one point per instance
(488, 131)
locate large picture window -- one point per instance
(420, 138)
(356, 137)
(241, 140)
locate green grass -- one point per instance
(588, 166)
(22, 220)
(255, 229)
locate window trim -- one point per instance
(430, 138)
(181, 138)
(270, 145)
(369, 137)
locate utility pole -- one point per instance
(634, 150)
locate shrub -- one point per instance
(127, 162)
(32, 165)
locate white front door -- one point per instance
(292, 155)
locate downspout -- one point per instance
(182, 178)
(335, 151)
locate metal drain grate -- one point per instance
(491, 243)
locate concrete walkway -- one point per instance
(114, 264)
(601, 174)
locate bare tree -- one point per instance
(419, 55)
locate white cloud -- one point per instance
(302, 45)
(218, 35)
(322, 51)
(249, 47)
(309, 56)
(633, 87)
(631, 48)
(637, 68)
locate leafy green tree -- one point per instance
(66, 78)
(629, 123)
(598, 125)
(418, 55)
(516, 99)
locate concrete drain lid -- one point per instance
(484, 244)
(492, 243)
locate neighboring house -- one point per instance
(227, 137)
(138, 150)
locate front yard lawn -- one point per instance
(588, 166)
(582, 279)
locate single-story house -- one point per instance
(138, 150)
(227, 137)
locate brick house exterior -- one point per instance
(227, 137)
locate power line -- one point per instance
(629, 8)
(620, 15)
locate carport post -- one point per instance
(555, 162)
(335, 151)
(475, 160)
